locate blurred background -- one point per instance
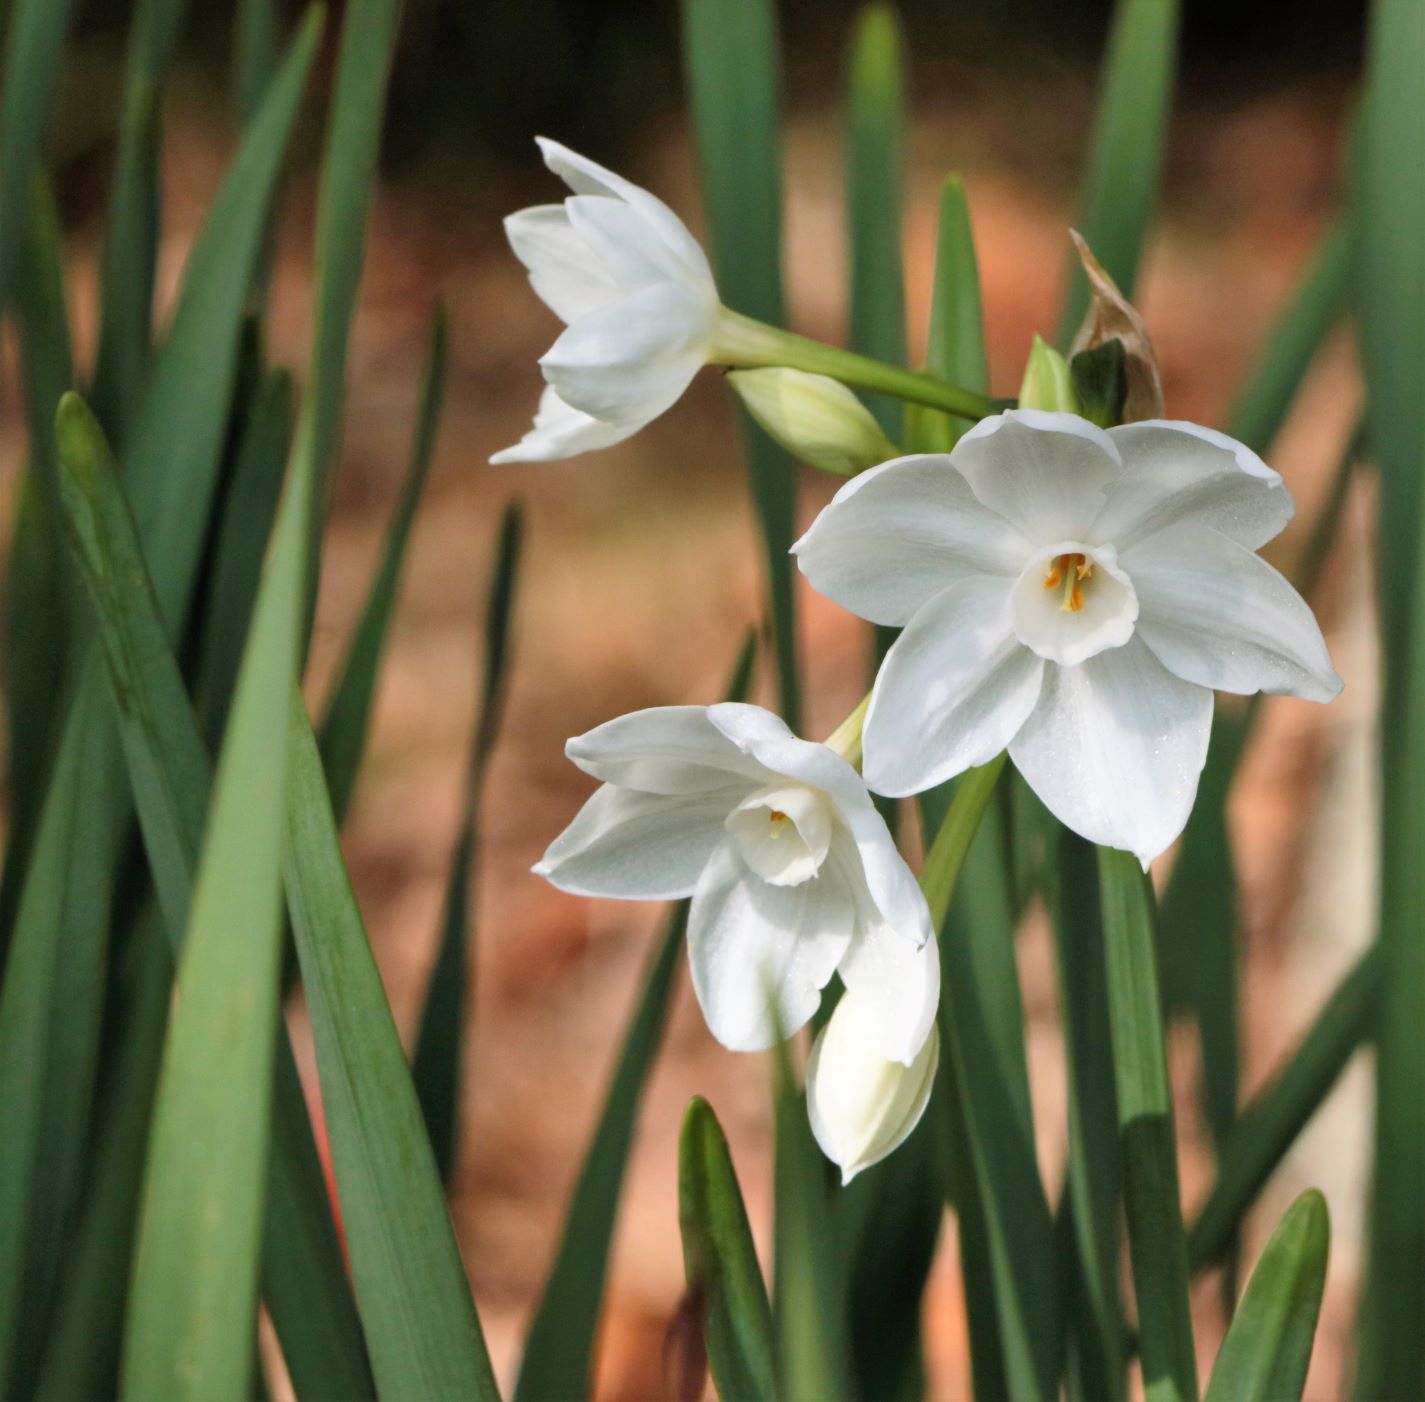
(641, 563)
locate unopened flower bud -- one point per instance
(1047, 382)
(861, 1105)
(816, 419)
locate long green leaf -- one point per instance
(194, 1310)
(131, 238)
(440, 1039)
(416, 1309)
(1267, 1351)
(874, 173)
(1156, 1242)
(559, 1347)
(724, 1279)
(1094, 1169)
(304, 1280)
(348, 716)
(1270, 1123)
(34, 36)
(1120, 187)
(730, 56)
(1390, 274)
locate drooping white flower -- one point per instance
(1072, 595)
(792, 872)
(636, 293)
(861, 1105)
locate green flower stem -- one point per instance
(745, 343)
(946, 856)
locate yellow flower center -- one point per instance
(778, 819)
(1069, 572)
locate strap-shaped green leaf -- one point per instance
(440, 1039)
(724, 1279)
(348, 716)
(1267, 1351)
(1125, 161)
(1157, 1247)
(730, 57)
(194, 1306)
(419, 1318)
(559, 1347)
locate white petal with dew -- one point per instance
(1115, 747)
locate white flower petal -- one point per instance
(952, 692)
(626, 244)
(561, 431)
(1220, 616)
(668, 750)
(1181, 473)
(1044, 472)
(564, 271)
(761, 954)
(862, 1106)
(887, 880)
(895, 536)
(628, 362)
(783, 832)
(638, 846)
(897, 983)
(1114, 748)
(586, 177)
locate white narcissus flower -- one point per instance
(636, 293)
(792, 872)
(1072, 595)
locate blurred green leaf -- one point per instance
(874, 173)
(132, 232)
(1120, 184)
(1390, 276)
(255, 31)
(1157, 1247)
(34, 37)
(731, 60)
(416, 1307)
(436, 1060)
(1094, 1169)
(348, 715)
(1316, 305)
(559, 1347)
(194, 1308)
(808, 1299)
(246, 511)
(1270, 1123)
(1267, 1351)
(724, 1279)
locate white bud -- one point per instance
(816, 419)
(861, 1105)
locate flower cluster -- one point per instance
(1070, 594)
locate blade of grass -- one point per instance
(730, 57)
(416, 1308)
(132, 232)
(1094, 1169)
(724, 1279)
(304, 1278)
(245, 516)
(34, 37)
(559, 1347)
(1267, 1351)
(1120, 186)
(193, 1315)
(1157, 1246)
(874, 173)
(1390, 273)
(1270, 1123)
(348, 715)
(255, 48)
(440, 1038)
